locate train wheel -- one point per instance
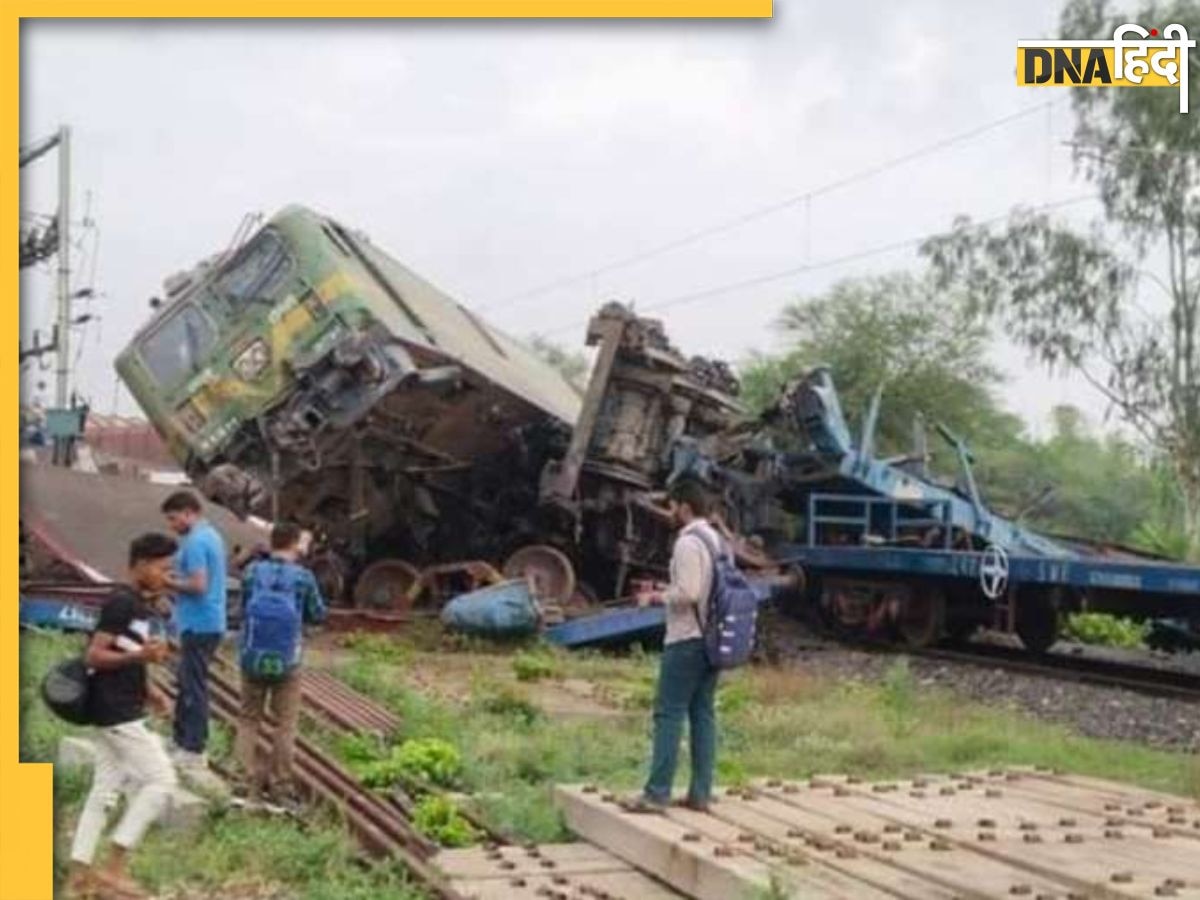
(583, 598)
(959, 629)
(384, 585)
(921, 616)
(330, 573)
(1037, 620)
(551, 571)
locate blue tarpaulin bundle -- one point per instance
(500, 610)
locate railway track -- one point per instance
(336, 704)
(380, 825)
(1155, 681)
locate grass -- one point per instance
(533, 666)
(774, 722)
(231, 854)
(316, 862)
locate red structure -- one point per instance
(127, 438)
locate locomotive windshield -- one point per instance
(179, 345)
(256, 273)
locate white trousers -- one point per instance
(130, 758)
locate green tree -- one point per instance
(1162, 530)
(923, 346)
(1075, 483)
(1071, 298)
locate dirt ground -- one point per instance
(453, 677)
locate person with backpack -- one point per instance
(129, 756)
(710, 618)
(278, 596)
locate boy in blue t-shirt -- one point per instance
(198, 584)
(268, 583)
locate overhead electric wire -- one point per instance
(830, 262)
(767, 210)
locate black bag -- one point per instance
(65, 691)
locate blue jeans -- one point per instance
(191, 706)
(687, 687)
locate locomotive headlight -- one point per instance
(251, 362)
(191, 417)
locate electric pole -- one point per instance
(62, 391)
(65, 421)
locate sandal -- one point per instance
(116, 887)
(643, 805)
(81, 885)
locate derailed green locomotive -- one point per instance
(307, 374)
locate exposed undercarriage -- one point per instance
(388, 455)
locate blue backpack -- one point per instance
(729, 628)
(271, 622)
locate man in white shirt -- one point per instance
(687, 682)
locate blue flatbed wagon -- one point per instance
(886, 547)
(1148, 579)
(878, 546)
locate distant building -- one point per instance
(127, 439)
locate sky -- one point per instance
(495, 158)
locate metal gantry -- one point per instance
(64, 422)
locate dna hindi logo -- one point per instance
(1134, 57)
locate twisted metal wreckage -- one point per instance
(306, 374)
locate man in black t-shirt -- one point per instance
(129, 756)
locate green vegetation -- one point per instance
(1105, 630)
(231, 854)
(733, 694)
(899, 698)
(439, 819)
(510, 704)
(40, 728)
(359, 750)
(635, 693)
(374, 645)
(1073, 296)
(926, 348)
(313, 861)
(774, 721)
(415, 762)
(533, 665)
(495, 743)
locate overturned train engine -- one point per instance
(650, 415)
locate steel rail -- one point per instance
(1151, 680)
(379, 826)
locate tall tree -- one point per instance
(922, 346)
(1072, 298)
(1075, 482)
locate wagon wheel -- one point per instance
(920, 617)
(548, 569)
(1037, 619)
(960, 627)
(384, 585)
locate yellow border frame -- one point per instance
(26, 790)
